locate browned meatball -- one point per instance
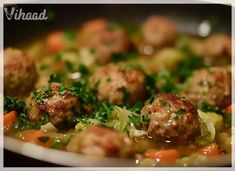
(20, 73)
(117, 84)
(101, 141)
(217, 50)
(54, 100)
(171, 118)
(212, 86)
(103, 39)
(159, 31)
(218, 45)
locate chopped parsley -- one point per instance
(43, 138)
(102, 112)
(164, 103)
(150, 81)
(137, 107)
(23, 122)
(13, 103)
(69, 65)
(206, 107)
(190, 63)
(116, 57)
(227, 120)
(40, 95)
(179, 113)
(62, 90)
(55, 77)
(135, 119)
(165, 82)
(83, 70)
(151, 99)
(81, 88)
(145, 118)
(126, 93)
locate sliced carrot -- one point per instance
(34, 137)
(9, 119)
(163, 156)
(210, 150)
(55, 41)
(228, 109)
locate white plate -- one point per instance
(61, 157)
(73, 159)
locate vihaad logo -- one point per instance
(18, 14)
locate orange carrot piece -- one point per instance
(210, 150)
(33, 136)
(163, 156)
(55, 41)
(9, 119)
(228, 109)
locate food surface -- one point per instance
(154, 95)
(171, 118)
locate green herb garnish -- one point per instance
(145, 118)
(206, 107)
(43, 138)
(135, 119)
(164, 103)
(179, 113)
(126, 93)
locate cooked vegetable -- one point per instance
(9, 119)
(229, 109)
(145, 92)
(211, 150)
(163, 156)
(34, 136)
(209, 124)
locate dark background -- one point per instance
(62, 16)
(187, 17)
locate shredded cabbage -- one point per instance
(83, 124)
(209, 123)
(119, 118)
(120, 121)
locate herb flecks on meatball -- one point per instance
(211, 86)
(56, 100)
(170, 118)
(117, 84)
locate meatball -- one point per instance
(56, 101)
(20, 73)
(217, 49)
(218, 45)
(101, 141)
(103, 39)
(170, 118)
(117, 84)
(211, 86)
(159, 31)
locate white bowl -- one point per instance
(73, 159)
